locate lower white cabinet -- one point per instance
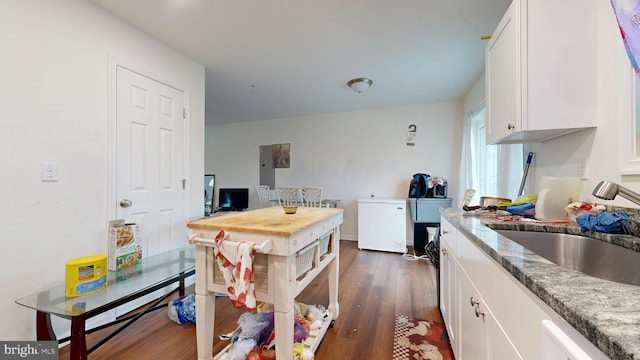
(557, 345)
(490, 315)
(448, 288)
(473, 330)
(472, 336)
(499, 344)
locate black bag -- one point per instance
(418, 187)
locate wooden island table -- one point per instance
(292, 251)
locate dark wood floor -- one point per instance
(374, 287)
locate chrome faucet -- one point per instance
(608, 190)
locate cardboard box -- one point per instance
(125, 245)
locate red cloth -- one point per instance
(235, 261)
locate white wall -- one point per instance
(349, 154)
(476, 95)
(600, 147)
(54, 93)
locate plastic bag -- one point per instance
(183, 310)
(258, 326)
(240, 349)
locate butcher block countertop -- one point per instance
(271, 220)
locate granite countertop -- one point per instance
(607, 313)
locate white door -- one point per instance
(150, 159)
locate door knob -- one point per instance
(125, 203)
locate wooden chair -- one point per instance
(264, 194)
(311, 196)
(288, 196)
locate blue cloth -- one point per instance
(604, 222)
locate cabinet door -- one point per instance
(499, 344)
(472, 340)
(503, 90)
(448, 294)
(531, 94)
(448, 233)
(481, 336)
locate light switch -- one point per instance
(582, 170)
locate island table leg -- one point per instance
(334, 275)
(284, 297)
(205, 304)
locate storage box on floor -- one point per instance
(125, 245)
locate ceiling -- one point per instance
(283, 58)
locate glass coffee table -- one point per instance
(153, 273)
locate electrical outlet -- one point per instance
(582, 170)
(49, 171)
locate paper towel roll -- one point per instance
(556, 193)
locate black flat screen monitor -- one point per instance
(233, 199)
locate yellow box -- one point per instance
(85, 275)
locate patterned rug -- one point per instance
(416, 339)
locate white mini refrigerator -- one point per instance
(382, 224)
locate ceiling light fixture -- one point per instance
(360, 84)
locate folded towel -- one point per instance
(604, 222)
(235, 261)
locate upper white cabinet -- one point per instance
(541, 71)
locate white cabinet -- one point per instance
(473, 331)
(557, 345)
(382, 224)
(448, 285)
(541, 71)
(481, 337)
(510, 318)
(499, 344)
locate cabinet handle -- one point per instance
(444, 251)
(445, 232)
(476, 304)
(511, 126)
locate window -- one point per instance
(492, 170)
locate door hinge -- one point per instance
(184, 114)
(184, 184)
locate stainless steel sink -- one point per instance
(590, 256)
